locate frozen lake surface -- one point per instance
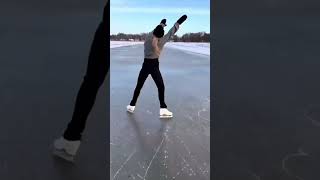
(145, 147)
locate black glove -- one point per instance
(182, 19)
(163, 21)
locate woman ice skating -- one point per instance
(153, 46)
(67, 146)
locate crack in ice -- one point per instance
(192, 157)
(123, 164)
(289, 156)
(313, 121)
(155, 154)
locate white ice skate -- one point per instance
(65, 149)
(130, 108)
(165, 113)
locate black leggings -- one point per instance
(150, 66)
(97, 69)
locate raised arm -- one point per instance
(170, 34)
(172, 31)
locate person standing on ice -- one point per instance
(153, 46)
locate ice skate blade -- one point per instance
(63, 155)
(166, 116)
(130, 111)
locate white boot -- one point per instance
(165, 113)
(65, 149)
(130, 108)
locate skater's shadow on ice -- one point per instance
(139, 134)
(68, 171)
(145, 138)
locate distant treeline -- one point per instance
(189, 37)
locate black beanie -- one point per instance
(158, 31)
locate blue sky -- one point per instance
(137, 16)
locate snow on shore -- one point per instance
(198, 48)
(116, 44)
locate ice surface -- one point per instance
(144, 147)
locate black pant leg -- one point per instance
(98, 66)
(157, 77)
(144, 72)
